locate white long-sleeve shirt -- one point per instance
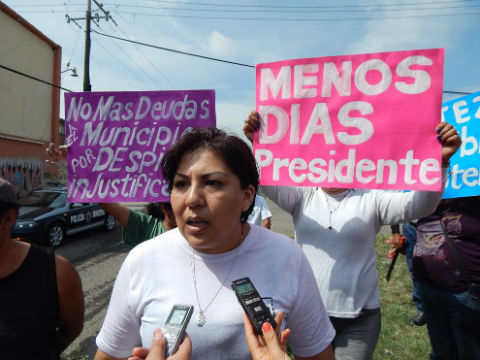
(343, 259)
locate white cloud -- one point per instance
(219, 45)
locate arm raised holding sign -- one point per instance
(138, 226)
(337, 228)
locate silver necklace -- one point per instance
(332, 210)
(200, 318)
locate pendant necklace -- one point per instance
(331, 210)
(200, 318)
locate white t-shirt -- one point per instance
(158, 274)
(343, 259)
(260, 211)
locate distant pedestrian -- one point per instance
(409, 234)
(261, 214)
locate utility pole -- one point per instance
(86, 60)
(88, 19)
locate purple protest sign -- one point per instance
(118, 140)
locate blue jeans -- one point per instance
(410, 233)
(443, 309)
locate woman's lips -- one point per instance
(196, 225)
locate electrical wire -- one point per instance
(295, 10)
(271, 7)
(307, 7)
(148, 60)
(300, 20)
(118, 60)
(216, 59)
(173, 50)
(65, 89)
(33, 78)
(134, 62)
(457, 92)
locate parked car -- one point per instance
(45, 217)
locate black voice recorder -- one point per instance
(252, 304)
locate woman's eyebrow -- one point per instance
(215, 173)
(181, 175)
(205, 175)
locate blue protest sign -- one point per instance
(464, 175)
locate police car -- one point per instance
(45, 217)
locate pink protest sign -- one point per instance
(361, 121)
(118, 140)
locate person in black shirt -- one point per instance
(41, 301)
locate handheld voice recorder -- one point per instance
(252, 304)
(175, 327)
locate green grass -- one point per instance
(398, 340)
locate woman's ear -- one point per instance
(248, 197)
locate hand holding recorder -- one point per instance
(268, 346)
(158, 348)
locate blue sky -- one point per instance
(269, 31)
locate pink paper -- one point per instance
(356, 121)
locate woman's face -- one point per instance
(207, 201)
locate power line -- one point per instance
(300, 20)
(65, 89)
(216, 59)
(132, 60)
(173, 50)
(33, 78)
(302, 10)
(244, 6)
(148, 60)
(307, 7)
(120, 62)
(457, 92)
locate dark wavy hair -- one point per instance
(158, 209)
(234, 152)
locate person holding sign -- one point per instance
(137, 226)
(337, 230)
(213, 179)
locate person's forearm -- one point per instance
(66, 336)
(284, 196)
(395, 228)
(425, 202)
(120, 212)
(397, 207)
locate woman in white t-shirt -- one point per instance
(337, 230)
(213, 180)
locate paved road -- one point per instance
(97, 256)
